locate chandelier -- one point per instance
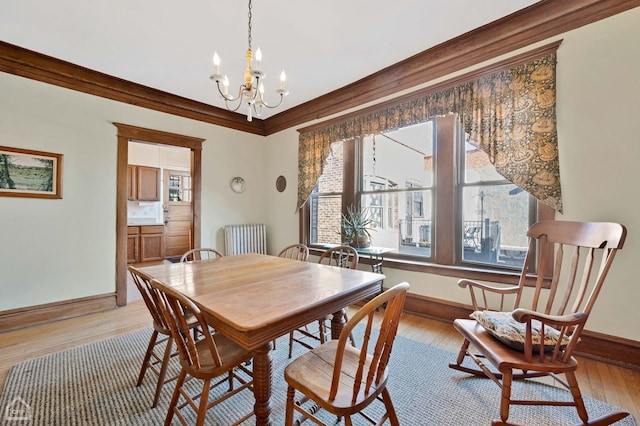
(251, 91)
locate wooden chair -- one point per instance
(343, 257)
(578, 256)
(343, 379)
(153, 360)
(295, 252)
(201, 255)
(207, 359)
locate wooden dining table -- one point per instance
(254, 298)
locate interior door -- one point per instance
(178, 213)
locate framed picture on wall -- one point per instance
(27, 173)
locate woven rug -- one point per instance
(95, 385)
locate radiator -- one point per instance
(239, 239)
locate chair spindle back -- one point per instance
(372, 366)
(341, 256)
(173, 306)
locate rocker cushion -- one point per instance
(512, 333)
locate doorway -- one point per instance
(139, 134)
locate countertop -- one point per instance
(143, 222)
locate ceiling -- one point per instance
(168, 45)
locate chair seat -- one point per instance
(230, 354)
(312, 373)
(502, 356)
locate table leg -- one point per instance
(376, 263)
(262, 380)
(376, 266)
(337, 324)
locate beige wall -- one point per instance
(52, 250)
(598, 128)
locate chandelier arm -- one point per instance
(264, 103)
(229, 99)
(226, 103)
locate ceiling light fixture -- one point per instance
(252, 90)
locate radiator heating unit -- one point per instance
(240, 239)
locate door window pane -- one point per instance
(179, 188)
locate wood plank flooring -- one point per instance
(610, 383)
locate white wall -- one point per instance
(598, 126)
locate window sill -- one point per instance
(467, 272)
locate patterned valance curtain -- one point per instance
(510, 115)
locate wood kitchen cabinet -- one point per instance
(145, 243)
(143, 183)
(133, 244)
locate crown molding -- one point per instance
(27, 63)
(538, 22)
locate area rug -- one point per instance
(95, 385)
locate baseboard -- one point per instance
(32, 315)
(603, 347)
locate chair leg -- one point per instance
(163, 371)
(391, 411)
(290, 344)
(204, 402)
(230, 380)
(505, 399)
(174, 398)
(147, 357)
(352, 340)
(463, 352)
(321, 331)
(288, 420)
(577, 396)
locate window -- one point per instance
(495, 212)
(401, 160)
(401, 175)
(325, 203)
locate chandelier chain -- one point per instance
(249, 37)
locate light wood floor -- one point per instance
(615, 385)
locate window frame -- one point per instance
(446, 234)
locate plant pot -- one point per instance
(360, 242)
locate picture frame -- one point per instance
(29, 173)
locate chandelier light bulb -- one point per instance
(225, 84)
(261, 89)
(258, 58)
(283, 78)
(216, 62)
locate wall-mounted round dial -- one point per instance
(237, 184)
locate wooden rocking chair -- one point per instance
(539, 341)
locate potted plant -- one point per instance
(356, 228)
